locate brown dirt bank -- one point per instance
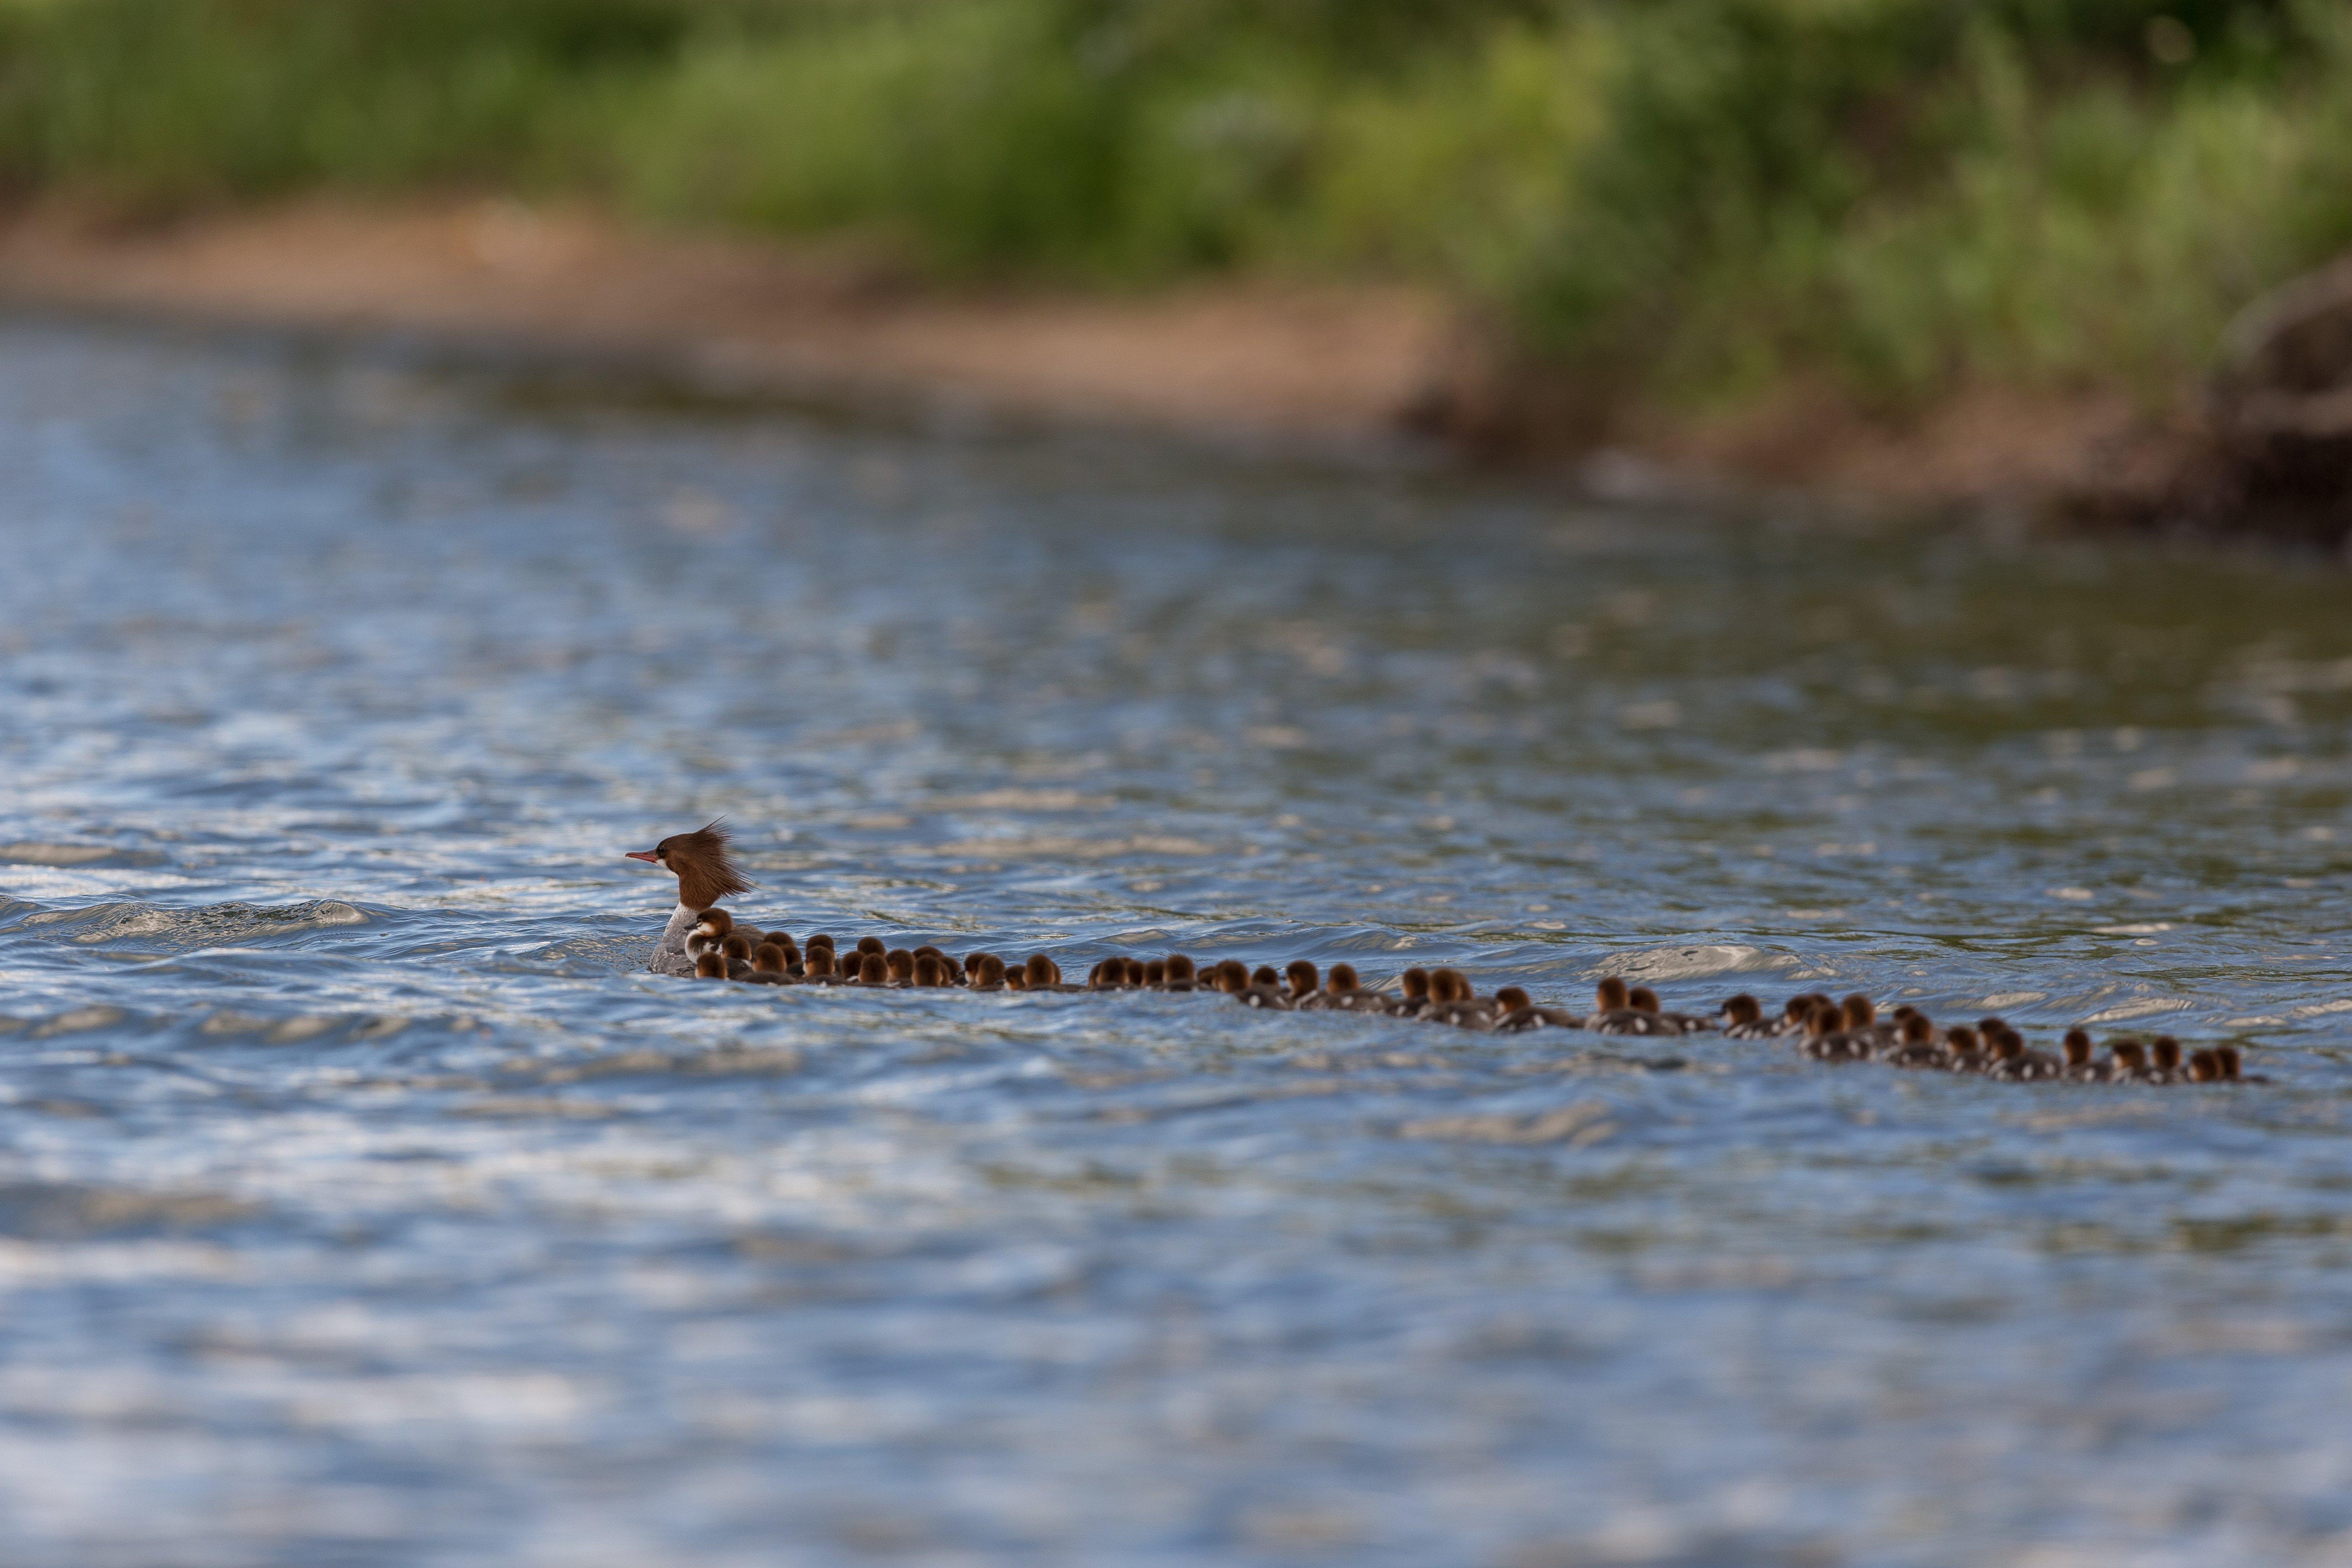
(1323, 368)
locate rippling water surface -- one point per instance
(362, 1203)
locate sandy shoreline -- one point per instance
(1367, 370)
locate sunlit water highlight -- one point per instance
(361, 1202)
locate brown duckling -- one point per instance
(1343, 992)
(950, 972)
(1517, 1014)
(1964, 1050)
(1915, 1044)
(930, 970)
(2013, 1061)
(768, 966)
(1614, 1012)
(2079, 1068)
(818, 968)
(1743, 1019)
(2127, 1061)
(1042, 973)
(1828, 1037)
(2233, 1065)
(1177, 973)
(1645, 1000)
(1413, 993)
(1155, 973)
(899, 965)
(1305, 980)
(2204, 1067)
(711, 965)
(872, 969)
(1799, 1009)
(987, 971)
(2164, 1060)
(1453, 1000)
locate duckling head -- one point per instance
(872, 945)
(735, 945)
(1343, 977)
(1304, 977)
(1962, 1038)
(1038, 973)
(930, 969)
(990, 971)
(1917, 1029)
(2129, 1054)
(711, 967)
(1743, 1009)
(2204, 1067)
(1135, 976)
(2228, 1059)
(1181, 969)
(2165, 1050)
(872, 969)
(1987, 1026)
(2077, 1045)
(703, 863)
(1265, 974)
(818, 964)
(1612, 995)
(1415, 982)
(1513, 998)
(1643, 999)
(1859, 1011)
(1449, 985)
(1233, 979)
(768, 958)
(2009, 1044)
(899, 965)
(824, 941)
(1155, 972)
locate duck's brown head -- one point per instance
(1859, 1011)
(1343, 977)
(1416, 984)
(1181, 968)
(714, 924)
(2228, 1061)
(2009, 1044)
(929, 970)
(2130, 1055)
(1513, 998)
(825, 940)
(1917, 1029)
(768, 958)
(1038, 972)
(872, 969)
(1265, 974)
(2166, 1052)
(1961, 1038)
(1304, 977)
(818, 964)
(1155, 972)
(2204, 1067)
(899, 965)
(1743, 1009)
(2077, 1045)
(1233, 977)
(1135, 968)
(736, 945)
(1612, 995)
(703, 863)
(1643, 999)
(711, 967)
(988, 972)
(872, 945)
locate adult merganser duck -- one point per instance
(706, 873)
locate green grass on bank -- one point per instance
(1681, 201)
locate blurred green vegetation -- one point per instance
(1687, 200)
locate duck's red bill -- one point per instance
(645, 855)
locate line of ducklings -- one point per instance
(1818, 1025)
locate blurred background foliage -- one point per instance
(1694, 200)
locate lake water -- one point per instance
(363, 1203)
